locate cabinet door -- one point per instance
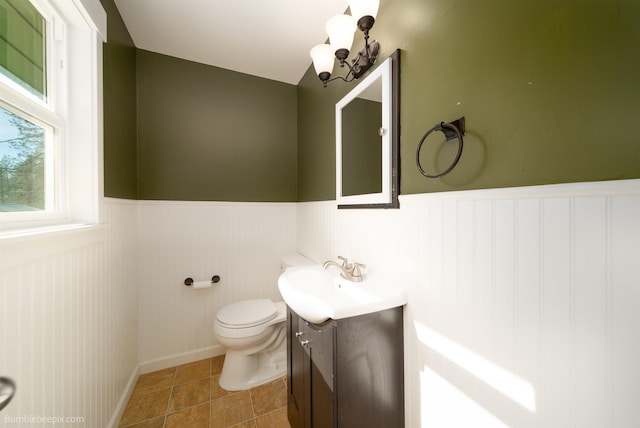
(298, 372)
(322, 401)
(369, 372)
(321, 351)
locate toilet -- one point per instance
(254, 333)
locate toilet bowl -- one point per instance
(254, 333)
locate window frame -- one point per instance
(75, 31)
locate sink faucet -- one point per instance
(350, 271)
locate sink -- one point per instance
(317, 294)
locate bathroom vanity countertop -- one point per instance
(317, 294)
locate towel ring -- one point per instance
(450, 131)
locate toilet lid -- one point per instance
(247, 313)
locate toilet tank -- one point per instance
(294, 260)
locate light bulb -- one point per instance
(340, 29)
(323, 59)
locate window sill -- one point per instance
(25, 245)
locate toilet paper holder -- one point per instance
(189, 281)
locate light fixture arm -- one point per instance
(360, 63)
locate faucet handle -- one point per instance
(356, 274)
(345, 262)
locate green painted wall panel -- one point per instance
(316, 139)
(205, 133)
(120, 124)
(549, 90)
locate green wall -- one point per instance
(316, 137)
(206, 133)
(178, 130)
(119, 85)
(549, 90)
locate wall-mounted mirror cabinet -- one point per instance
(367, 140)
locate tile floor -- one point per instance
(189, 396)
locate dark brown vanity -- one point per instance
(346, 373)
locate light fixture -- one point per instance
(340, 29)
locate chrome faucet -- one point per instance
(350, 271)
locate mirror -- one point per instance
(367, 140)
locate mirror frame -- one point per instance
(389, 72)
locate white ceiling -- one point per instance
(265, 38)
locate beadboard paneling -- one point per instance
(68, 322)
(524, 303)
(240, 242)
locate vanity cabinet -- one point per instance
(346, 373)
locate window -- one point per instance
(26, 178)
(26, 138)
(50, 130)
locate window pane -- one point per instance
(22, 45)
(22, 164)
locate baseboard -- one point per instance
(159, 364)
(182, 358)
(124, 398)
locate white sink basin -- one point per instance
(317, 294)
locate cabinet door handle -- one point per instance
(304, 342)
(299, 334)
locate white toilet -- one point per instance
(253, 331)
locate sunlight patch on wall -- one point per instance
(507, 383)
(445, 406)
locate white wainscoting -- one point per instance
(240, 242)
(524, 303)
(68, 321)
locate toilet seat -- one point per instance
(247, 313)
(250, 314)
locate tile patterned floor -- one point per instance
(189, 396)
